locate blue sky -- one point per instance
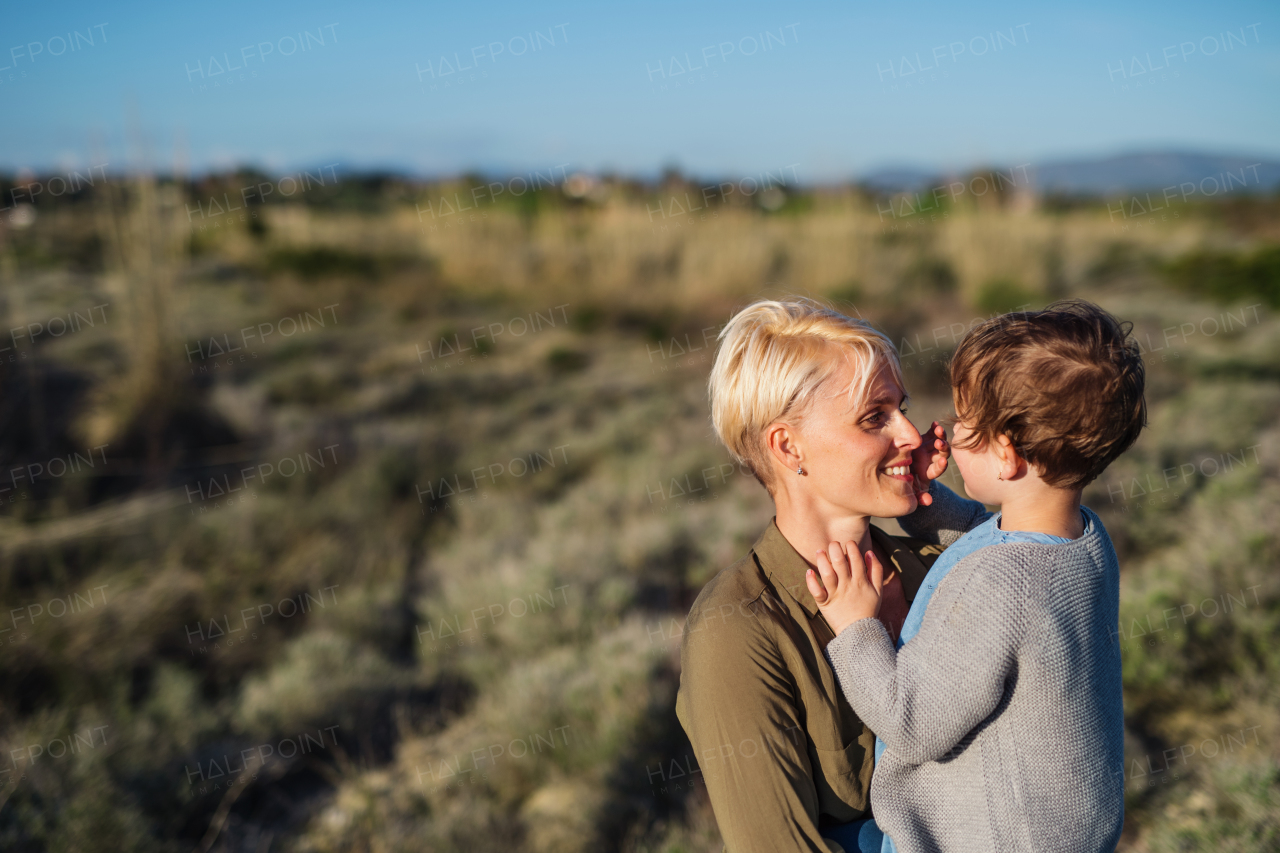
(831, 89)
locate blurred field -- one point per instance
(350, 523)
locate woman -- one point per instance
(812, 402)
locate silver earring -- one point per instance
(799, 470)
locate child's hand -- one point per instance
(929, 461)
(846, 594)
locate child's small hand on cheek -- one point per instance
(929, 461)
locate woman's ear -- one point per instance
(780, 439)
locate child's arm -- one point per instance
(924, 699)
(945, 519)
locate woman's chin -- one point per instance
(899, 505)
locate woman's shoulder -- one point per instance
(741, 604)
(739, 586)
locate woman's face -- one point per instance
(858, 457)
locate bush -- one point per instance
(1002, 295)
(323, 675)
(1228, 276)
(320, 262)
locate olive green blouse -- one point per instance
(780, 750)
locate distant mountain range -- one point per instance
(1153, 170)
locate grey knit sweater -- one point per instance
(1002, 718)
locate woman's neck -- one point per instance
(809, 533)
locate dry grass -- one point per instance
(598, 534)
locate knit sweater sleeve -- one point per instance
(923, 699)
(945, 520)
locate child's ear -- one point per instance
(1008, 456)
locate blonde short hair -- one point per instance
(773, 357)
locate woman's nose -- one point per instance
(908, 436)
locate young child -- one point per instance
(1001, 711)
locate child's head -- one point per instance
(1060, 390)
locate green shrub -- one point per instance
(321, 262)
(565, 360)
(1002, 295)
(931, 276)
(1239, 812)
(1229, 276)
(322, 677)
